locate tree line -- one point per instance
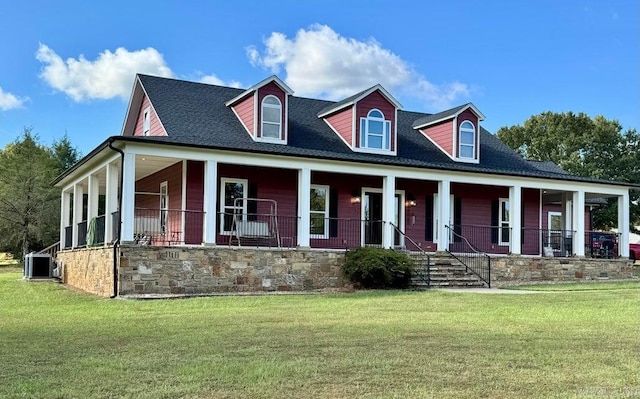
(29, 204)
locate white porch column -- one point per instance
(65, 204)
(566, 212)
(623, 224)
(304, 207)
(444, 214)
(128, 197)
(210, 195)
(110, 201)
(78, 194)
(93, 193)
(388, 210)
(578, 223)
(515, 219)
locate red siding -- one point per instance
(151, 184)
(342, 122)
(415, 216)
(194, 202)
(530, 222)
(155, 128)
(468, 115)
(442, 135)
(275, 90)
(376, 100)
(246, 112)
(276, 184)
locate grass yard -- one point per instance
(57, 343)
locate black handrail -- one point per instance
(426, 279)
(475, 261)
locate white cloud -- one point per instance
(320, 62)
(10, 101)
(108, 76)
(215, 80)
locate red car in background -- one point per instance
(634, 251)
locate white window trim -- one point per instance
(559, 232)
(146, 121)
(223, 207)
(280, 138)
(460, 144)
(164, 192)
(386, 134)
(502, 222)
(325, 213)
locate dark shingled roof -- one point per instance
(339, 104)
(440, 115)
(547, 166)
(194, 114)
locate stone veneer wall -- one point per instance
(195, 270)
(512, 270)
(89, 269)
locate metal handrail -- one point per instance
(422, 251)
(477, 254)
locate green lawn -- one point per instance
(57, 343)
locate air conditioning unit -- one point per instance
(37, 266)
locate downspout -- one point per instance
(116, 242)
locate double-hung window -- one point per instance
(503, 219)
(319, 212)
(230, 207)
(375, 131)
(467, 141)
(271, 118)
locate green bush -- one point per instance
(378, 268)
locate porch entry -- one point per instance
(372, 205)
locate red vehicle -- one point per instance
(634, 251)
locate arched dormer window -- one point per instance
(375, 131)
(271, 118)
(467, 141)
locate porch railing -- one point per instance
(167, 226)
(257, 230)
(488, 239)
(339, 233)
(602, 244)
(422, 260)
(558, 243)
(82, 234)
(68, 237)
(474, 260)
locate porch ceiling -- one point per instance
(149, 164)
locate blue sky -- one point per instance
(69, 67)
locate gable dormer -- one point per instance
(455, 131)
(262, 109)
(366, 121)
(142, 118)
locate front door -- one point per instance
(372, 216)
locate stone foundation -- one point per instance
(514, 270)
(200, 270)
(88, 269)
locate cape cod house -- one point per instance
(223, 189)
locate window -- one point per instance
(319, 212)
(271, 118)
(467, 142)
(375, 131)
(146, 121)
(503, 219)
(232, 189)
(164, 206)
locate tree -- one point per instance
(65, 155)
(29, 204)
(584, 146)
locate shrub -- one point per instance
(378, 268)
